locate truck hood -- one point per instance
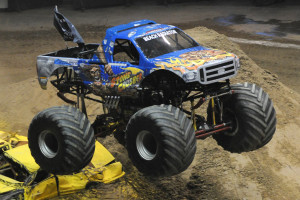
(190, 59)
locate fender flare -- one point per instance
(46, 65)
(161, 72)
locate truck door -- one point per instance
(124, 70)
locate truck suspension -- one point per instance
(209, 130)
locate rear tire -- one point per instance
(253, 116)
(160, 140)
(61, 140)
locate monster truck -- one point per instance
(150, 78)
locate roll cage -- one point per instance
(123, 46)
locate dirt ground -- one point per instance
(272, 172)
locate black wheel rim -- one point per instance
(231, 117)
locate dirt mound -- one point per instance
(272, 172)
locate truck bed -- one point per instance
(75, 52)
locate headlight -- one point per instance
(190, 76)
(237, 62)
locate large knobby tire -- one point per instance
(253, 118)
(61, 140)
(160, 140)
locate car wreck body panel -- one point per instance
(30, 182)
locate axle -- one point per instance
(209, 130)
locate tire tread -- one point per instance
(258, 119)
(78, 136)
(178, 139)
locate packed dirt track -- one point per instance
(272, 172)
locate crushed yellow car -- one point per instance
(22, 178)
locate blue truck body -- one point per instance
(105, 75)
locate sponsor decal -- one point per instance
(158, 35)
(111, 44)
(118, 64)
(125, 80)
(106, 81)
(131, 34)
(121, 78)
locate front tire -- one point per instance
(61, 140)
(253, 119)
(160, 140)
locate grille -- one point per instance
(214, 72)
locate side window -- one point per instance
(125, 51)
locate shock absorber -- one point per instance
(193, 114)
(213, 111)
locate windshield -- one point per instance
(164, 42)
